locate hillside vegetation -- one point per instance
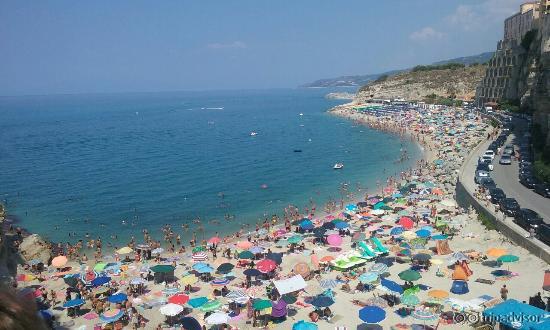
(429, 83)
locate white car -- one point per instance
(490, 153)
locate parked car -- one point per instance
(487, 182)
(543, 189)
(509, 206)
(505, 160)
(497, 195)
(543, 232)
(528, 181)
(483, 166)
(527, 219)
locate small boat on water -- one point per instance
(253, 133)
(297, 150)
(338, 166)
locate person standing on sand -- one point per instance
(504, 292)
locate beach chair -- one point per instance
(367, 252)
(379, 246)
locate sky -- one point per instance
(63, 47)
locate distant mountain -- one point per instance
(361, 80)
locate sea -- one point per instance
(116, 164)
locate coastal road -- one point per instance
(506, 178)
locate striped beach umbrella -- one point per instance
(368, 277)
(112, 315)
(424, 314)
(199, 256)
(237, 294)
(220, 282)
(378, 268)
(328, 283)
(211, 306)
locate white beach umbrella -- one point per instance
(171, 309)
(217, 318)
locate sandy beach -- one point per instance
(399, 250)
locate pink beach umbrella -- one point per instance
(334, 240)
(245, 245)
(279, 232)
(330, 217)
(214, 240)
(59, 261)
(90, 316)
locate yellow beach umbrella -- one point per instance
(124, 250)
(436, 261)
(188, 280)
(409, 235)
(438, 294)
(496, 252)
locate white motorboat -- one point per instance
(338, 166)
(253, 133)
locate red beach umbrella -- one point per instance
(406, 222)
(179, 299)
(266, 265)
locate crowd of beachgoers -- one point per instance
(405, 256)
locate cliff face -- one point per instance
(416, 85)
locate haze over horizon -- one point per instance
(137, 46)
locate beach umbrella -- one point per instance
(171, 309)
(322, 301)
(406, 222)
(256, 249)
(424, 314)
(334, 240)
(326, 259)
(422, 257)
(306, 225)
(199, 265)
(197, 302)
(179, 299)
(378, 212)
(210, 306)
(266, 265)
(351, 207)
(100, 266)
(342, 225)
(368, 277)
(162, 268)
(117, 298)
(409, 275)
(379, 268)
(508, 258)
(157, 251)
(275, 256)
(100, 280)
(252, 272)
(423, 233)
(198, 249)
(245, 245)
(217, 318)
(112, 315)
(90, 316)
(199, 256)
(237, 294)
(204, 270)
(395, 231)
(438, 294)
(214, 240)
(495, 252)
(302, 268)
(328, 283)
(73, 303)
(303, 325)
(372, 314)
(71, 281)
(439, 237)
(246, 255)
(410, 300)
(190, 323)
(59, 261)
(295, 239)
(25, 277)
(225, 268)
(124, 250)
(260, 304)
(328, 225)
(457, 256)
(219, 282)
(188, 280)
(409, 235)
(391, 286)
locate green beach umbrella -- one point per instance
(211, 306)
(261, 304)
(295, 239)
(100, 266)
(410, 300)
(246, 255)
(412, 290)
(508, 258)
(162, 268)
(198, 249)
(410, 275)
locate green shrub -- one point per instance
(452, 66)
(484, 219)
(382, 78)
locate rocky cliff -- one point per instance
(457, 83)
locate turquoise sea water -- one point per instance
(85, 163)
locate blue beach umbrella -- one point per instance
(190, 323)
(252, 272)
(322, 301)
(372, 314)
(197, 302)
(379, 268)
(117, 298)
(439, 237)
(395, 231)
(306, 225)
(368, 277)
(73, 303)
(205, 270)
(423, 233)
(428, 228)
(351, 207)
(200, 265)
(100, 280)
(342, 225)
(303, 325)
